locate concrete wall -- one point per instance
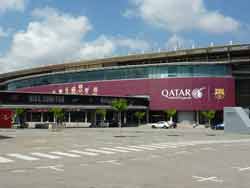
(236, 120)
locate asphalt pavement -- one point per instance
(126, 158)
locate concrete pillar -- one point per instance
(69, 118)
(86, 116)
(41, 116)
(93, 117)
(147, 116)
(31, 117)
(197, 117)
(54, 118)
(125, 117)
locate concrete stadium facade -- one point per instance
(189, 80)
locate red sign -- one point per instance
(180, 93)
(5, 118)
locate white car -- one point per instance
(161, 124)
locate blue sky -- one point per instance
(40, 32)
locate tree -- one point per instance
(19, 112)
(170, 113)
(119, 105)
(209, 115)
(58, 114)
(139, 116)
(102, 113)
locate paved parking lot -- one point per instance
(134, 158)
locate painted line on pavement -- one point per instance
(128, 148)
(45, 155)
(65, 154)
(5, 160)
(84, 152)
(100, 151)
(116, 150)
(23, 157)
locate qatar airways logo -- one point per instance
(183, 94)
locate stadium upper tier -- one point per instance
(230, 54)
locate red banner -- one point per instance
(5, 118)
(180, 93)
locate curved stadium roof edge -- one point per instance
(140, 58)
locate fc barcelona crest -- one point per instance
(219, 93)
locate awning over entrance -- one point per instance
(40, 101)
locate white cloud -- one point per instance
(106, 46)
(54, 37)
(133, 44)
(101, 47)
(17, 5)
(183, 15)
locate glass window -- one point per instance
(125, 73)
(172, 71)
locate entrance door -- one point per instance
(186, 117)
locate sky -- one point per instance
(36, 33)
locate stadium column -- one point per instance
(125, 118)
(41, 116)
(69, 119)
(93, 117)
(86, 116)
(147, 116)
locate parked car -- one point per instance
(161, 124)
(219, 126)
(172, 124)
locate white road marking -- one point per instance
(56, 167)
(117, 150)
(163, 146)
(143, 147)
(18, 171)
(115, 162)
(182, 152)
(23, 157)
(99, 151)
(65, 154)
(166, 145)
(84, 152)
(128, 148)
(41, 148)
(202, 179)
(242, 169)
(158, 147)
(5, 160)
(208, 149)
(45, 155)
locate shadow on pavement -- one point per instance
(4, 137)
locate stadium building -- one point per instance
(190, 80)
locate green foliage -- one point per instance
(170, 112)
(101, 112)
(119, 105)
(210, 114)
(139, 116)
(58, 113)
(19, 112)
